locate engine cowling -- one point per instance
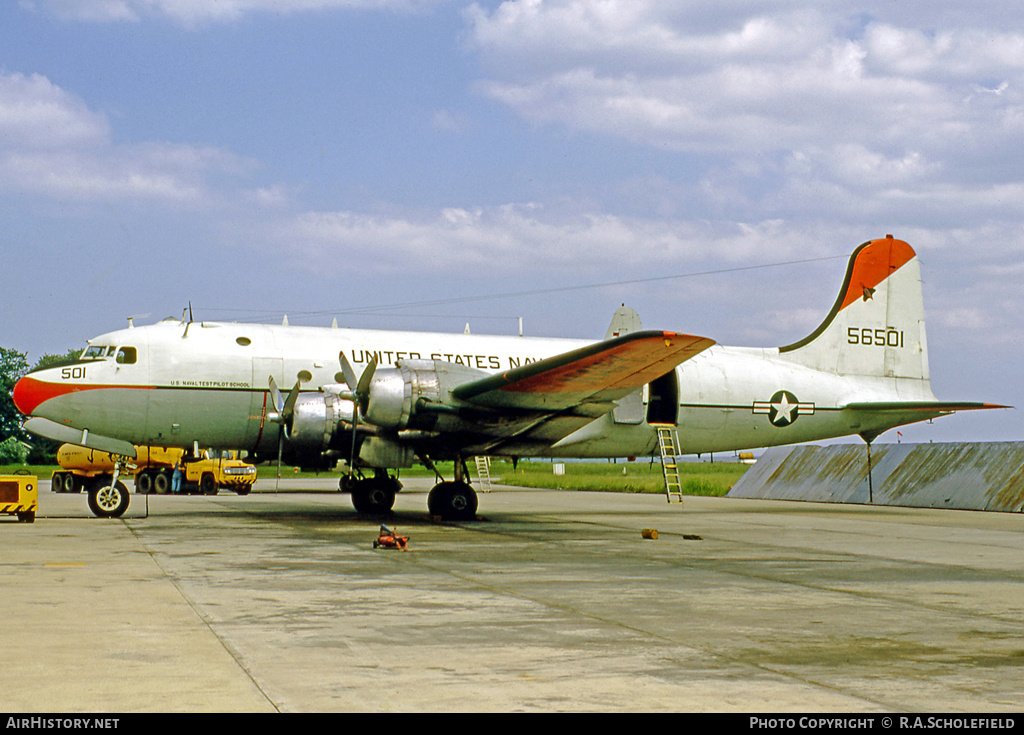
(319, 431)
(318, 417)
(394, 394)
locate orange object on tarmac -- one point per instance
(388, 539)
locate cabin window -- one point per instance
(127, 356)
(244, 341)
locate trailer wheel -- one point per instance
(57, 482)
(161, 483)
(109, 501)
(144, 483)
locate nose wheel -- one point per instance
(109, 500)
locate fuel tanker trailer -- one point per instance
(87, 469)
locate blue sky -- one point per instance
(405, 163)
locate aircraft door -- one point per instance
(663, 403)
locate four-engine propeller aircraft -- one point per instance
(383, 400)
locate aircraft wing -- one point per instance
(598, 373)
(533, 406)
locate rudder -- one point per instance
(876, 326)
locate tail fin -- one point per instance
(876, 327)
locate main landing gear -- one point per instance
(372, 495)
(453, 500)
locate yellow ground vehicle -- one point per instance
(153, 467)
(19, 495)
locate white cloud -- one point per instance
(778, 79)
(56, 147)
(531, 238)
(36, 114)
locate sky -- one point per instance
(427, 164)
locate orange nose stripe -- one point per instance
(29, 393)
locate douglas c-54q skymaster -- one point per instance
(383, 400)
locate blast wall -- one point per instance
(966, 476)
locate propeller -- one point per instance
(360, 393)
(282, 415)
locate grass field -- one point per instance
(641, 476)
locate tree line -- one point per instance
(17, 446)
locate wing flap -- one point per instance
(601, 373)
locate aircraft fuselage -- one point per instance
(176, 384)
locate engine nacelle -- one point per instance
(317, 418)
(394, 393)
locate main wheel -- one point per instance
(109, 501)
(453, 501)
(373, 497)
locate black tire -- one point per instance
(57, 482)
(373, 498)
(144, 483)
(28, 516)
(242, 489)
(208, 484)
(453, 501)
(161, 483)
(109, 501)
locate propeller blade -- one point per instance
(285, 408)
(363, 387)
(349, 372)
(289, 404)
(359, 387)
(275, 394)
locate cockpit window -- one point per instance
(127, 356)
(94, 352)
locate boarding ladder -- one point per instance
(483, 473)
(668, 443)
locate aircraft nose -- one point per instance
(28, 393)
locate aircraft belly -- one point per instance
(118, 412)
(213, 418)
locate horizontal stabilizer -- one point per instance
(938, 407)
(68, 435)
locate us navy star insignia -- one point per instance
(783, 408)
(869, 293)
